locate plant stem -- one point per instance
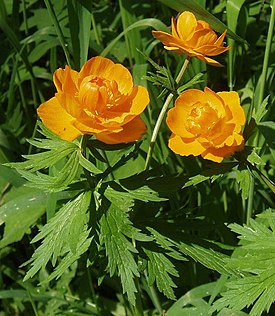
(162, 113)
(58, 31)
(83, 145)
(250, 199)
(267, 53)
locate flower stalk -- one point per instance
(162, 113)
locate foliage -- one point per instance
(86, 228)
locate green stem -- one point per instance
(250, 199)
(263, 178)
(161, 115)
(32, 303)
(95, 29)
(267, 53)
(83, 146)
(58, 31)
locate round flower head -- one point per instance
(100, 100)
(193, 37)
(207, 124)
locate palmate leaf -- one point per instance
(56, 183)
(159, 269)
(115, 227)
(65, 234)
(56, 150)
(256, 282)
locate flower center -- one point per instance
(98, 95)
(201, 120)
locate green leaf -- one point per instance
(243, 178)
(114, 227)
(193, 297)
(268, 130)
(202, 14)
(260, 112)
(144, 23)
(20, 213)
(65, 234)
(256, 282)
(195, 80)
(57, 183)
(88, 165)
(159, 269)
(207, 257)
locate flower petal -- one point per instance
(186, 24)
(211, 50)
(66, 80)
(201, 38)
(218, 154)
(167, 39)
(105, 68)
(232, 100)
(185, 147)
(210, 61)
(131, 132)
(58, 120)
(176, 119)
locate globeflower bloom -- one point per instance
(206, 123)
(100, 100)
(194, 38)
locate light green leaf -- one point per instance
(144, 23)
(256, 281)
(193, 297)
(243, 178)
(20, 213)
(119, 249)
(56, 183)
(159, 269)
(60, 236)
(207, 257)
(88, 165)
(268, 130)
(260, 112)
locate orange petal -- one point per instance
(215, 100)
(140, 100)
(185, 147)
(69, 104)
(98, 66)
(232, 100)
(167, 39)
(219, 41)
(174, 28)
(202, 25)
(66, 80)
(176, 119)
(211, 50)
(89, 125)
(218, 154)
(58, 120)
(131, 132)
(105, 68)
(186, 24)
(210, 61)
(201, 38)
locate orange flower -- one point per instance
(193, 38)
(207, 124)
(99, 100)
